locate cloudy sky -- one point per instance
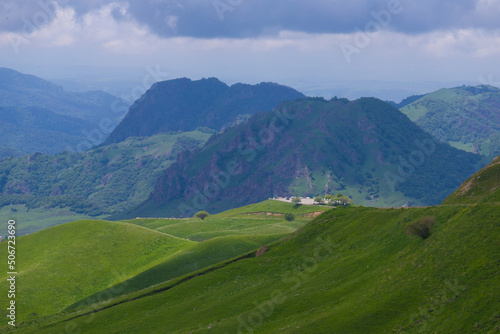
(386, 48)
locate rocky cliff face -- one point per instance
(184, 105)
(365, 149)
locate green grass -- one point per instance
(75, 263)
(464, 117)
(190, 259)
(483, 187)
(468, 147)
(351, 270)
(414, 111)
(265, 218)
(63, 264)
(273, 207)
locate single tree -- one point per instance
(296, 200)
(318, 199)
(289, 216)
(202, 215)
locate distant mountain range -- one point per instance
(466, 117)
(39, 116)
(365, 149)
(184, 105)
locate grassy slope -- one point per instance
(263, 218)
(460, 113)
(370, 278)
(483, 186)
(415, 110)
(191, 259)
(78, 262)
(64, 264)
(225, 235)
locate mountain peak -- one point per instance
(184, 105)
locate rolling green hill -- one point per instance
(43, 190)
(351, 270)
(365, 149)
(466, 117)
(63, 264)
(84, 261)
(39, 116)
(256, 219)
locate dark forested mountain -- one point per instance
(39, 116)
(365, 149)
(184, 105)
(465, 117)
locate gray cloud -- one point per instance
(253, 18)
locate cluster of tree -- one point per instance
(101, 181)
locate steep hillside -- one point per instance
(101, 181)
(38, 116)
(184, 105)
(482, 187)
(366, 149)
(352, 270)
(465, 117)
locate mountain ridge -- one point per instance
(309, 147)
(466, 117)
(44, 112)
(184, 104)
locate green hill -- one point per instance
(350, 270)
(482, 187)
(84, 261)
(466, 117)
(63, 264)
(266, 218)
(353, 270)
(45, 190)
